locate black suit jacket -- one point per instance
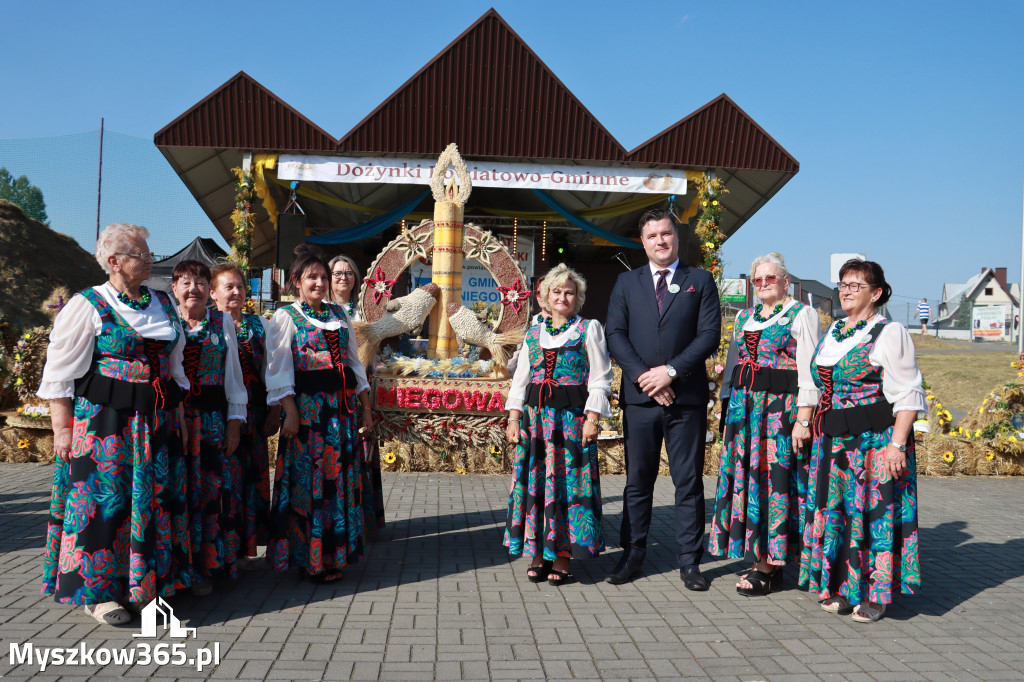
(686, 333)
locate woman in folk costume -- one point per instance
(345, 283)
(215, 409)
(861, 536)
(227, 288)
(762, 476)
(317, 515)
(118, 532)
(559, 391)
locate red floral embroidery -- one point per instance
(381, 285)
(514, 295)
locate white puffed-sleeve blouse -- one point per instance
(806, 329)
(73, 340)
(893, 352)
(280, 369)
(268, 331)
(599, 383)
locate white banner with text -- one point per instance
(483, 174)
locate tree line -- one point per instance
(23, 194)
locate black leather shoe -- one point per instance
(625, 573)
(692, 579)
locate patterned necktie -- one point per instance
(661, 290)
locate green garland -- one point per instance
(244, 220)
(709, 234)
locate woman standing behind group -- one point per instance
(118, 530)
(215, 409)
(559, 391)
(861, 536)
(227, 288)
(762, 479)
(317, 513)
(345, 282)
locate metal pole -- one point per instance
(99, 183)
(1020, 291)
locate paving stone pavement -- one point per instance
(437, 597)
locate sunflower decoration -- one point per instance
(495, 451)
(990, 455)
(29, 357)
(460, 472)
(948, 456)
(709, 234)
(390, 458)
(243, 218)
(23, 443)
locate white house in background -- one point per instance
(987, 288)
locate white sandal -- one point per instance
(867, 613)
(108, 613)
(134, 606)
(836, 604)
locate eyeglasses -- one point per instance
(767, 280)
(150, 256)
(343, 275)
(853, 287)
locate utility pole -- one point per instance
(99, 183)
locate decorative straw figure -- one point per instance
(449, 205)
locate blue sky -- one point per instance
(905, 116)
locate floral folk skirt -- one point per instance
(215, 496)
(861, 536)
(254, 466)
(554, 505)
(317, 512)
(118, 522)
(762, 485)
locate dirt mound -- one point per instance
(33, 261)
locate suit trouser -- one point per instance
(683, 429)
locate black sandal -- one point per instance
(329, 576)
(762, 584)
(560, 577)
(538, 574)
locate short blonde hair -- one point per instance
(229, 267)
(773, 258)
(117, 238)
(560, 275)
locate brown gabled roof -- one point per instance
(718, 135)
(492, 94)
(243, 114)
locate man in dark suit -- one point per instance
(664, 320)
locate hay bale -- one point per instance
(34, 260)
(19, 445)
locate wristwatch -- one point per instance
(593, 421)
(902, 447)
(803, 422)
(671, 371)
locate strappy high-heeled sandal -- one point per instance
(761, 583)
(538, 574)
